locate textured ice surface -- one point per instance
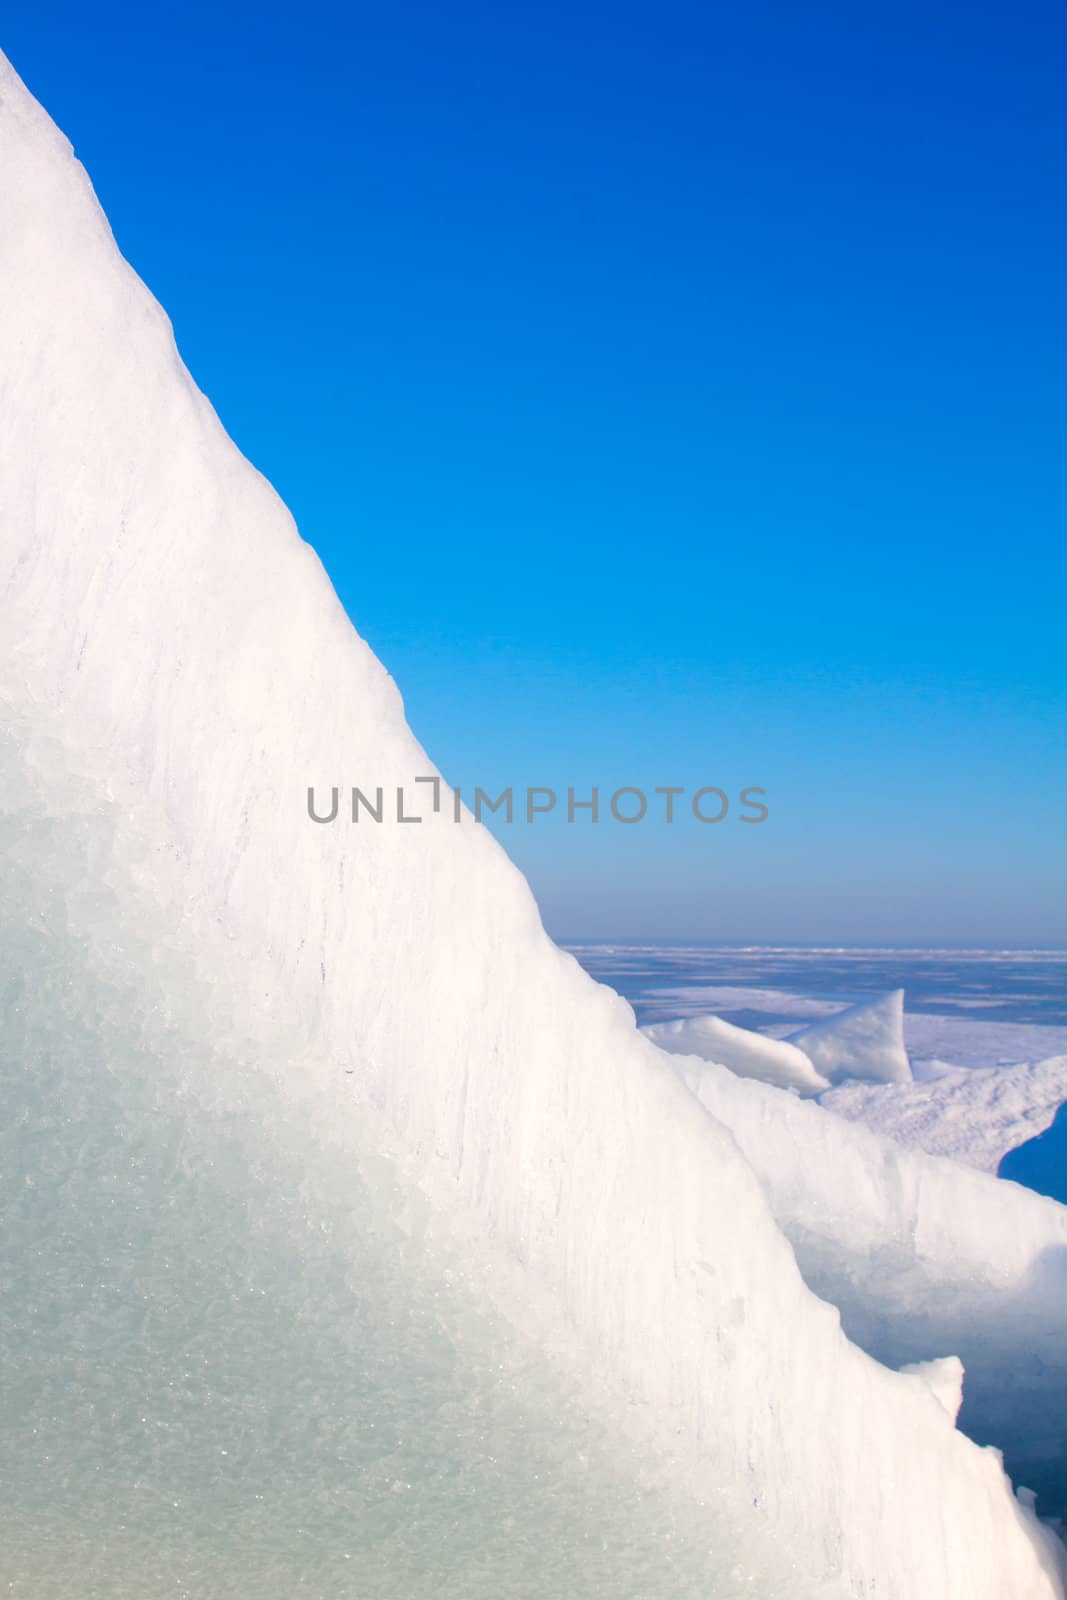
(972, 1114)
(925, 1258)
(234, 1362)
(749, 1054)
(944, 1379)
(311, 1137)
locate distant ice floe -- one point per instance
(750, 1055)
(975, 1041)
(864, 1041)
(855, 1061)
(970, 1025)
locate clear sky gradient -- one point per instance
(675, 395)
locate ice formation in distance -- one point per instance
(264, 1076)
(864, 1041)
(750, 1055)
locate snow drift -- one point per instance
(358, 1243)
(975, 1115)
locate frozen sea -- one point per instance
(978, 1008)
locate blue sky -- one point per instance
(675, 395)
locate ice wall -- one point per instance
(236, 1362)
(178, 658)
(924, 1258)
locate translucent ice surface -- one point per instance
(233, 1361)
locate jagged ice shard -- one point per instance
(355, 1243)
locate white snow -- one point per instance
(972, 1114)
(356, 1243)
(977, 1042)
(944, 1378)
(863, 1041)
(749, 1054)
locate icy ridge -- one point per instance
(924, 1258)
(204, 672)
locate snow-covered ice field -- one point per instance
(985, 1030)
(985, 1001)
